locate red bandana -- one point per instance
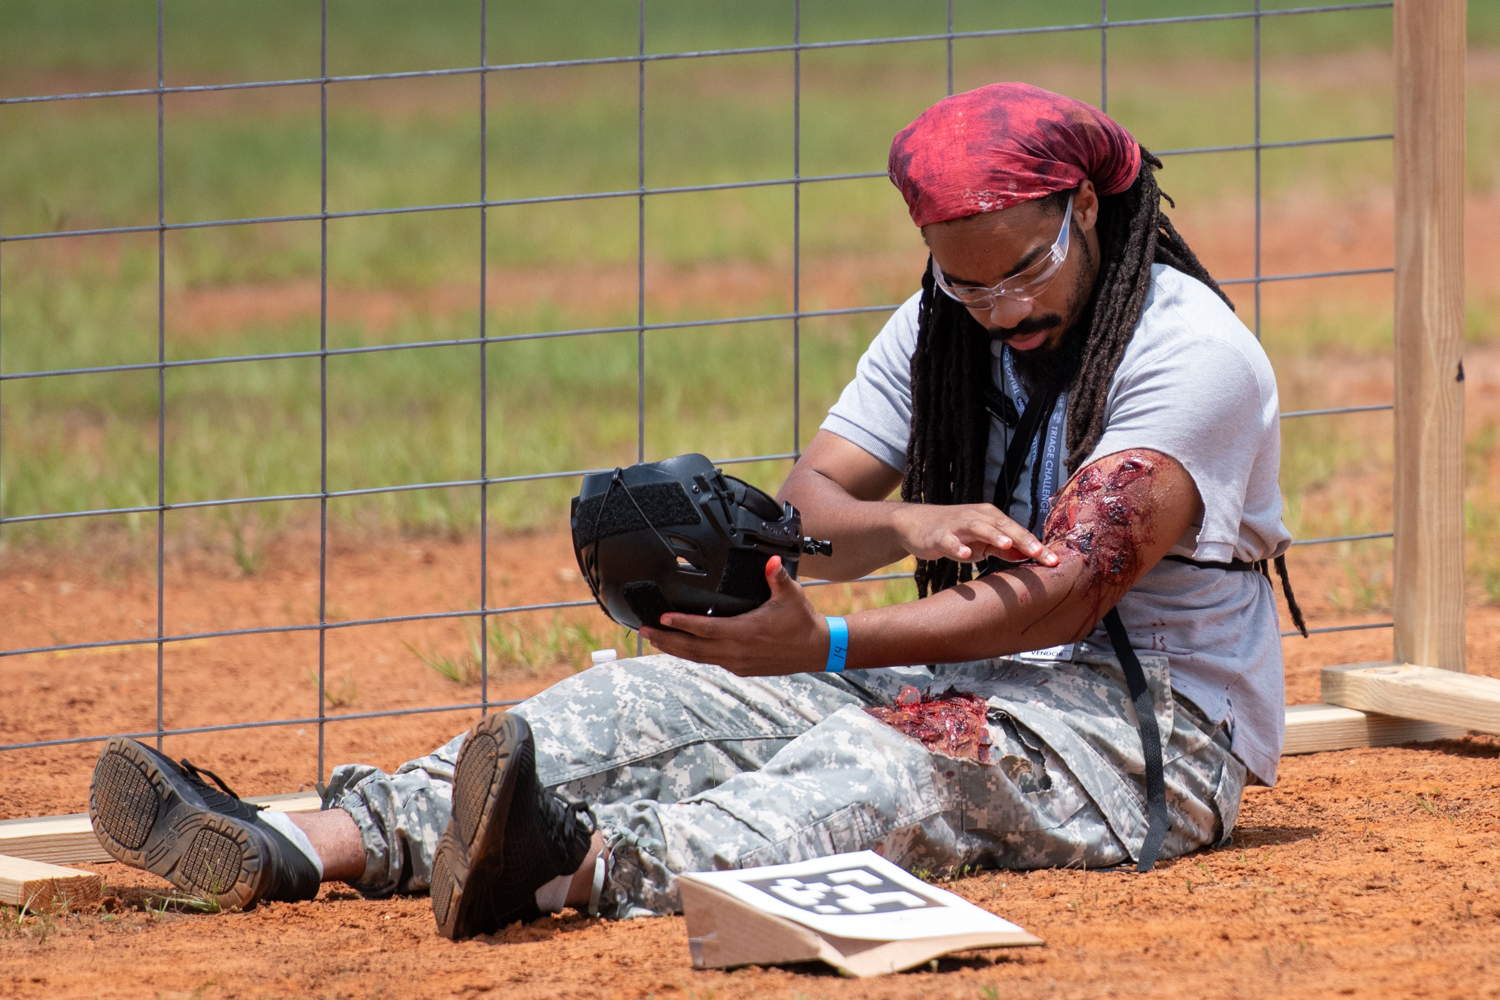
(1003, 144)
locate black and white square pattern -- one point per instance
(853, 890)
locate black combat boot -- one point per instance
(153, 813)
(508, 836)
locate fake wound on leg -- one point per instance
(952, 724)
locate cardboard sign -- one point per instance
(858, 912)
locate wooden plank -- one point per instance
(1428, 584)
(60, 840)
(44, 888)
(290, 802)
(1316, 728)
(1414, 692)
(70, 839)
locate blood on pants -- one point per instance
(952, 724)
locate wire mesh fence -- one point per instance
(609, 209)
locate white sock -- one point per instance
(282, 824)
(553, 896)
(598, 889)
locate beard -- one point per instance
(1053, 367)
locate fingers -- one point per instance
(770, 639)
(784, 589)
(681, 643)
(1015, 540)
(776, 575)
(702, 626)
(686, 645)
(980, 539)
(967, 533)
(1028, 545)
(975, 541)
(954, 548)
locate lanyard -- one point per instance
(1048, 450)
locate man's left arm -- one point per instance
(1114, 520)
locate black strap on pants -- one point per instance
(1157, 822)
(1028, 427)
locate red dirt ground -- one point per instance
(1363, 873)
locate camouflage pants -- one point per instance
(689, 768)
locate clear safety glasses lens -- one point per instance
(1022, 287)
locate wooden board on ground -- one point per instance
(1414, 692)
(44, 888)
(1316, 728)
(68, 840)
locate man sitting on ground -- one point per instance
(1086, 444)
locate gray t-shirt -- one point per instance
(1194, 384)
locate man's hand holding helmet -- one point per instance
(785, 635)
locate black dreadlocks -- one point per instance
(950, 368)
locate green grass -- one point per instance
(1335, 472)
(574, 129)
(516, 651)
(279, 38)
(26, 922)
(252, 429)
(1482, 513)
(256, 429)
(89, 164)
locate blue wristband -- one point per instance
(838, 644)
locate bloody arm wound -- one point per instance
(1112, 522)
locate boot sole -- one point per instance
(471, 850)
(143, 821)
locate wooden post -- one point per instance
(1428, 594)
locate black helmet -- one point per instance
(680, 535)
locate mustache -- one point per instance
(1028, 326)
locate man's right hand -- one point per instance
(966, 533)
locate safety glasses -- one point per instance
(1023, 286)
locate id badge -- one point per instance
(1049, 654)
